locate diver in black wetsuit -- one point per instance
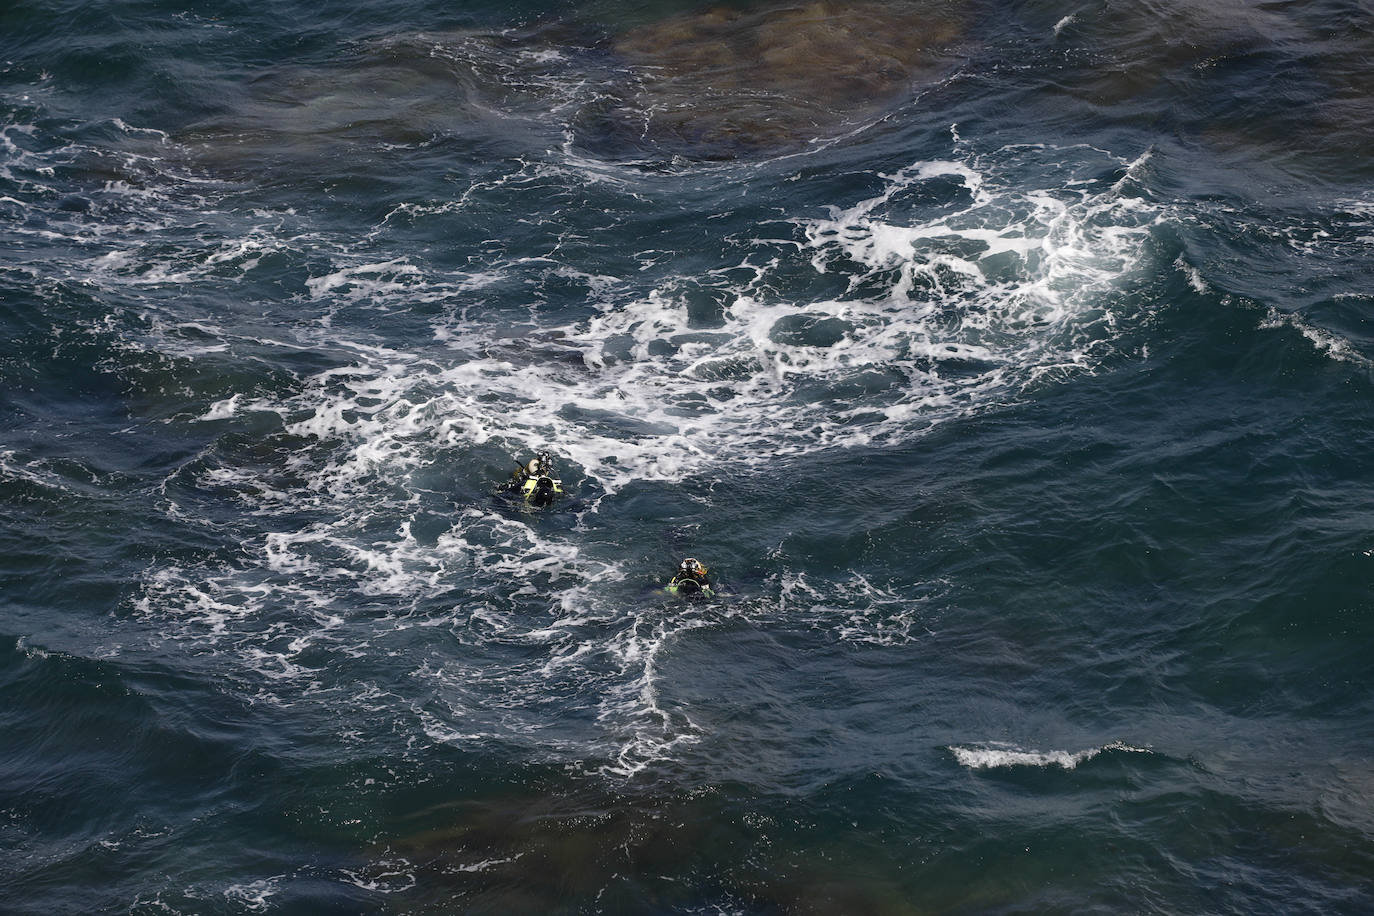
(690, 580)
(536, 483)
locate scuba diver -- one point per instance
(690, 580)
(536, 483)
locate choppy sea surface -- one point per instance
(1008, 363)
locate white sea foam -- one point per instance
(222, 410)
(486, 864)
(997, 756)
(944, 313)
(21, 644)
(384, 876)
(256, 897)
(366, 280)
(32, 471)
(857, 609)
(951, 288)
(648, 731)
(1195, 278)
(573, 639)
(949, 307)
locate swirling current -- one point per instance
(1009, 364)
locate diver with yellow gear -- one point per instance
(690, 581)
(536, 483)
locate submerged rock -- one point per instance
(729, 81)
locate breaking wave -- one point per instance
(1000, 757)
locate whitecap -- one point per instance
(1003, 756)
(1324, 341)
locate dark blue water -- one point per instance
(1009, 364)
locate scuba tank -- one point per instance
(540, 491)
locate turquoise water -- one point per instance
(1008, 363)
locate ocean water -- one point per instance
(1009, 363)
